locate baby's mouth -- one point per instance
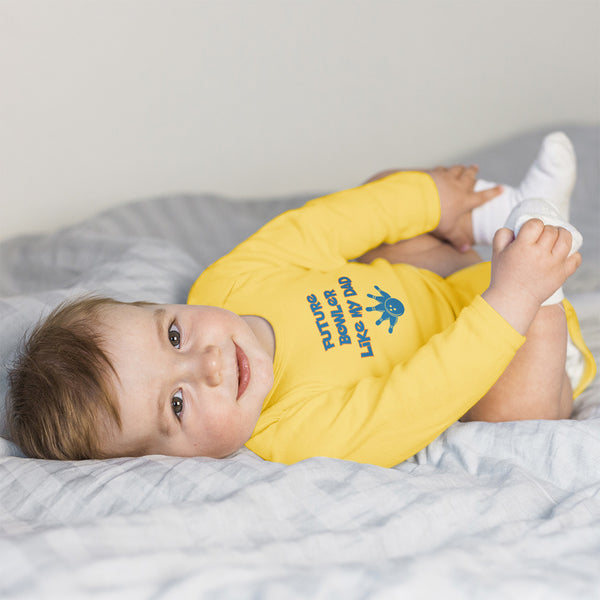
(243, 371)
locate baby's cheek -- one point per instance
(225, 432)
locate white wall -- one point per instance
(103, 101)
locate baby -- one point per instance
(359, 326)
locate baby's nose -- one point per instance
(212, 365)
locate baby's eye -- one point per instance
(177, 403)
(174, 335)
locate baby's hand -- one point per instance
(528, 269)
(457, 199)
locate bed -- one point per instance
(485, 511)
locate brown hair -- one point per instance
(60, 391)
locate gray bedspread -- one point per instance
(506, 510)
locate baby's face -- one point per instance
(191, 379)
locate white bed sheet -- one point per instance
(506, 510)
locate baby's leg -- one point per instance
(426, 252)
(535, 384)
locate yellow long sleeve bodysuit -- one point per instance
(372, 362)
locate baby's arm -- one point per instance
(330, 230)
(528, 270)
(456, 189)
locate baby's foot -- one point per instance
(552, 174)
(534, 208)
(551, 177)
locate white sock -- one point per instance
(551, 176)
(534, 208)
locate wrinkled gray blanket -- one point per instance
(506, 510)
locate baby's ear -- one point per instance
(502, 239)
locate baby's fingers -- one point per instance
(502, 238)
(563, 243)
(572, 263)
(457, 171)
(470, 173)
(531, 231)
(479, 198)
(549, 238)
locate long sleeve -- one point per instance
(328, 231)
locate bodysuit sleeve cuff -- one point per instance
(504, 332)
